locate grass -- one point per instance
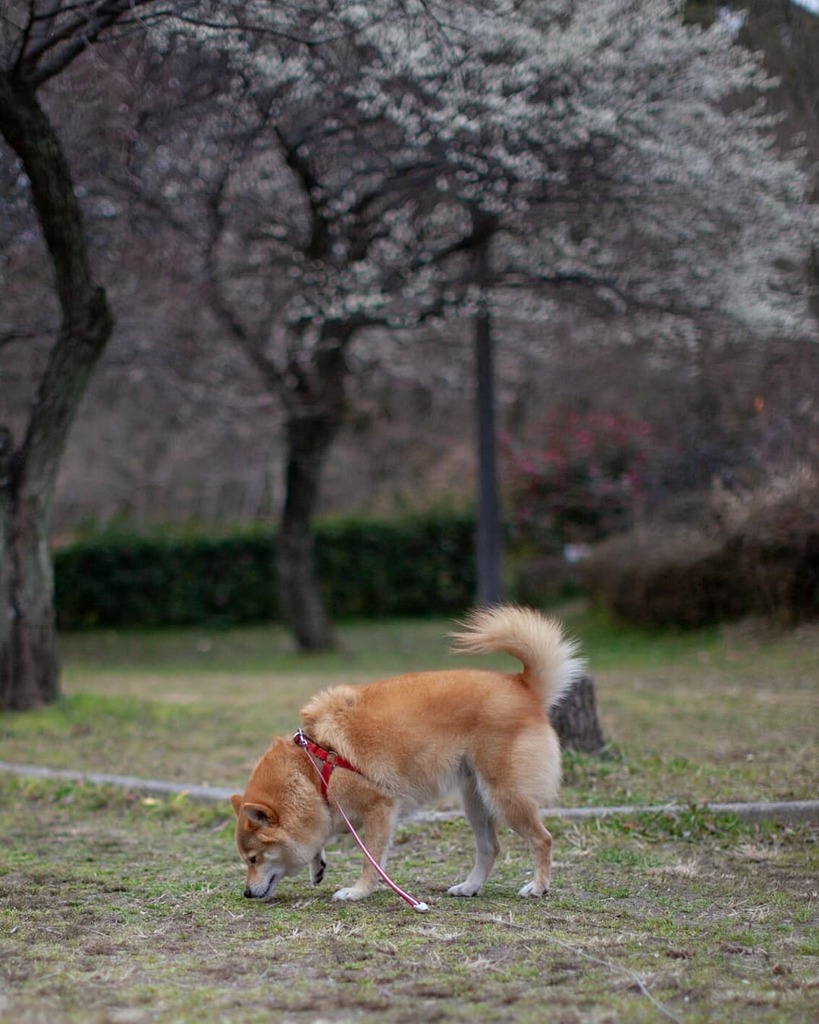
(117, 909)
(114, 908)
(720, 715)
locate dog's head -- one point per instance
(282, 819)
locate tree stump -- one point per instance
(575, 718)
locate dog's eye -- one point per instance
(253, 859)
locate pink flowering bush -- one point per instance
(582, 483)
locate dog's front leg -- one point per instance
(378, 825)
(317, 866)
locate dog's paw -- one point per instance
(350, 894)
(464, 889)
(530, 889)
(317, 866)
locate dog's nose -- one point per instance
(248, 893)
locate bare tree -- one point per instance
(39, 40)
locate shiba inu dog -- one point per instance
(382, 750)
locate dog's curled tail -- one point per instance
(550, 665)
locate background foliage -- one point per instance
(417, 565)
(752, 552)
(583, 481)
(727, 555)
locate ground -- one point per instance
(119, 909)
(116, 908)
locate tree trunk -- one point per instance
(29, 665)
(300, 603)
(575, 719)
(316, 406)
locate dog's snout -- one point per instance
(248, 893)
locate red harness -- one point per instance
(329, 759)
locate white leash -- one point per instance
(422, 908)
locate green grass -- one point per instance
(720, 715)
(121, 909)
(117, 908)
(367, 648)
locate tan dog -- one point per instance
(404, 741)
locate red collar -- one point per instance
(329, 759)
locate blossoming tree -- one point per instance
(437, 161)
(377, 164)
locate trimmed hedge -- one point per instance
(418, 566)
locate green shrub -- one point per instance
(417, 566)
(580, 483)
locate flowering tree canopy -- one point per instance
(603, 142)
(364, 169)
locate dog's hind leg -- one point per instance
(523, 816)
(482, 821)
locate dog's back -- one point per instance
(413, 734)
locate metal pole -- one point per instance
(488, 541)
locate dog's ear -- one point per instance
(236, 800)
(259, 815)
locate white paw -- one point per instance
(350, 894)
(530, 889)
(464, 889)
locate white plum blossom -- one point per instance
(605, 140)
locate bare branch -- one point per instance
(309, 181)
(61, 41)
(11, 336)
